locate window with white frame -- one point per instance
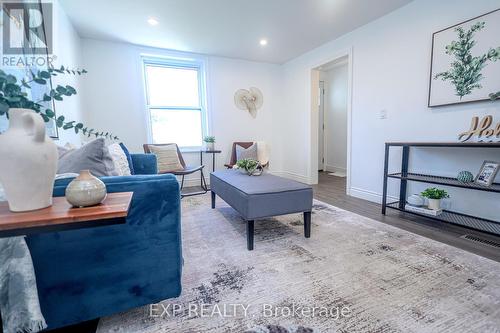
(176, 101)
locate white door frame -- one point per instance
(322, 165)
(314, 114)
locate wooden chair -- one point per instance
(186, 170)
(233, 160)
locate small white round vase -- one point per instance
(28, 162)
(86, 190)
(415, 200)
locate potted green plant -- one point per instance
(249, 166)
(28, 170)
(434, 196)
(209, 142)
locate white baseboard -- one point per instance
(332, 168)
(369, 195)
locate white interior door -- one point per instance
(321, 127)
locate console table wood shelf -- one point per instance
(448, 216)
(62, 216)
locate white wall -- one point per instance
(114, 98)
(68, 52)
(390, 71)
(336, 84)
(391, 60)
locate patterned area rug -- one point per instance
(353, 275)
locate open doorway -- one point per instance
(333, 113)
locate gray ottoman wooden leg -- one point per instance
(250, 235)
(307, 224)
(213, 199)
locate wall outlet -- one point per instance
(383, 114)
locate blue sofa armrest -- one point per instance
(90, 273)
(144, 164)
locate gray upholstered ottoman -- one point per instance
(262, 196)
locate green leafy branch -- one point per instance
(494, 96)
(13, 96)
(465, 72)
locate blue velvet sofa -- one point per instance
(90, 273)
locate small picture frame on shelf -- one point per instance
(487, 173)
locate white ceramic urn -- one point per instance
(28, 162)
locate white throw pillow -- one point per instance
(119, 159)
(246, 153)
(167, 158)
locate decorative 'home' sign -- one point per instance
(481, 131)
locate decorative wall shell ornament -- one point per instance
(250, 100)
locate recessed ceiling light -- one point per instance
(153, 21)
(263, 42)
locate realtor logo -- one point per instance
(27, 28)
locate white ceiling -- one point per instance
(230, 28)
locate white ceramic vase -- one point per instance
(29, 162)
(434, 204)
(86, 190)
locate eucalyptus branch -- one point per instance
(13, 96)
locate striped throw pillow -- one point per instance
(167, 158)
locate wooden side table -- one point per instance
(62, 216)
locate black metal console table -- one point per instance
(404, 176)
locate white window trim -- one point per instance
(178, 62)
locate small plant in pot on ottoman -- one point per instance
(434, 196)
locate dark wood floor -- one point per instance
(332, 189)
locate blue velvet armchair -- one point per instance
(90, 273)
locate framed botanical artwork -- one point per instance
(465, 61)
(487, 173)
